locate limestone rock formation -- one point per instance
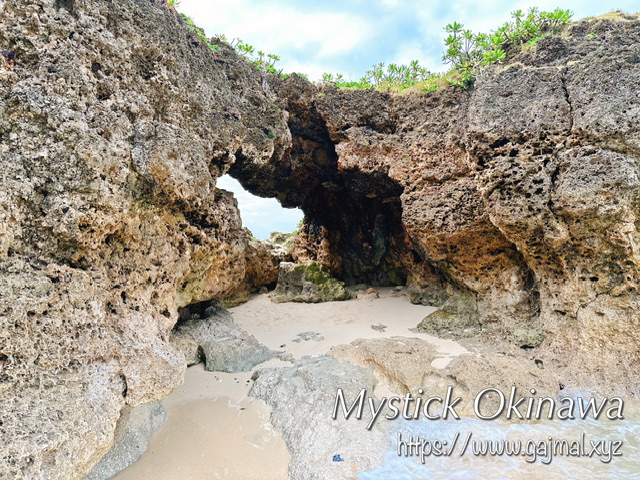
(131, 439)
(405, 364)
(224, 346)
(308, 283)
(457, 318)
(303, 397)
(115, 121)
(262, 258)
(521, 196)
(521, 193)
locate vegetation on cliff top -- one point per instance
(191, 24)
(467, 52)
(264, 62)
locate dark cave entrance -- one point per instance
(352, 220)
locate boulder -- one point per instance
(224, 346)
(308, 283)
(457, 318)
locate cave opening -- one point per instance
(352, 220)
(262, 216)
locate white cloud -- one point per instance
(348, 36)
(312, 68)
(328, 33)
(389, 3)
(282, 30)
(407, 53)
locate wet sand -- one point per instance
(214, 430)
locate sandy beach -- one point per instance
(214, 430)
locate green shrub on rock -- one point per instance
(468, 52)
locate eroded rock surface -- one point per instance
(457, 318)
(303, 398)
(131, 439)
(521, 193)
(224, 346)
(263, 258)
(405, 364)
(115, 121)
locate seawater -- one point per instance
(504, 467)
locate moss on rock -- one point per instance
(308, 283)
(458, 318)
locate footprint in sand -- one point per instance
(306, 336)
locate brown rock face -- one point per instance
(115, 121)
(518, 200)
(521, 194)
(262, 260)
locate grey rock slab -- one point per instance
(302, 398)
(308, 283)
(131, 439)
(224, 345)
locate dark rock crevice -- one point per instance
(352, 218)
(567, 97)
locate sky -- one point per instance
(348, 37)
(261, 215)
